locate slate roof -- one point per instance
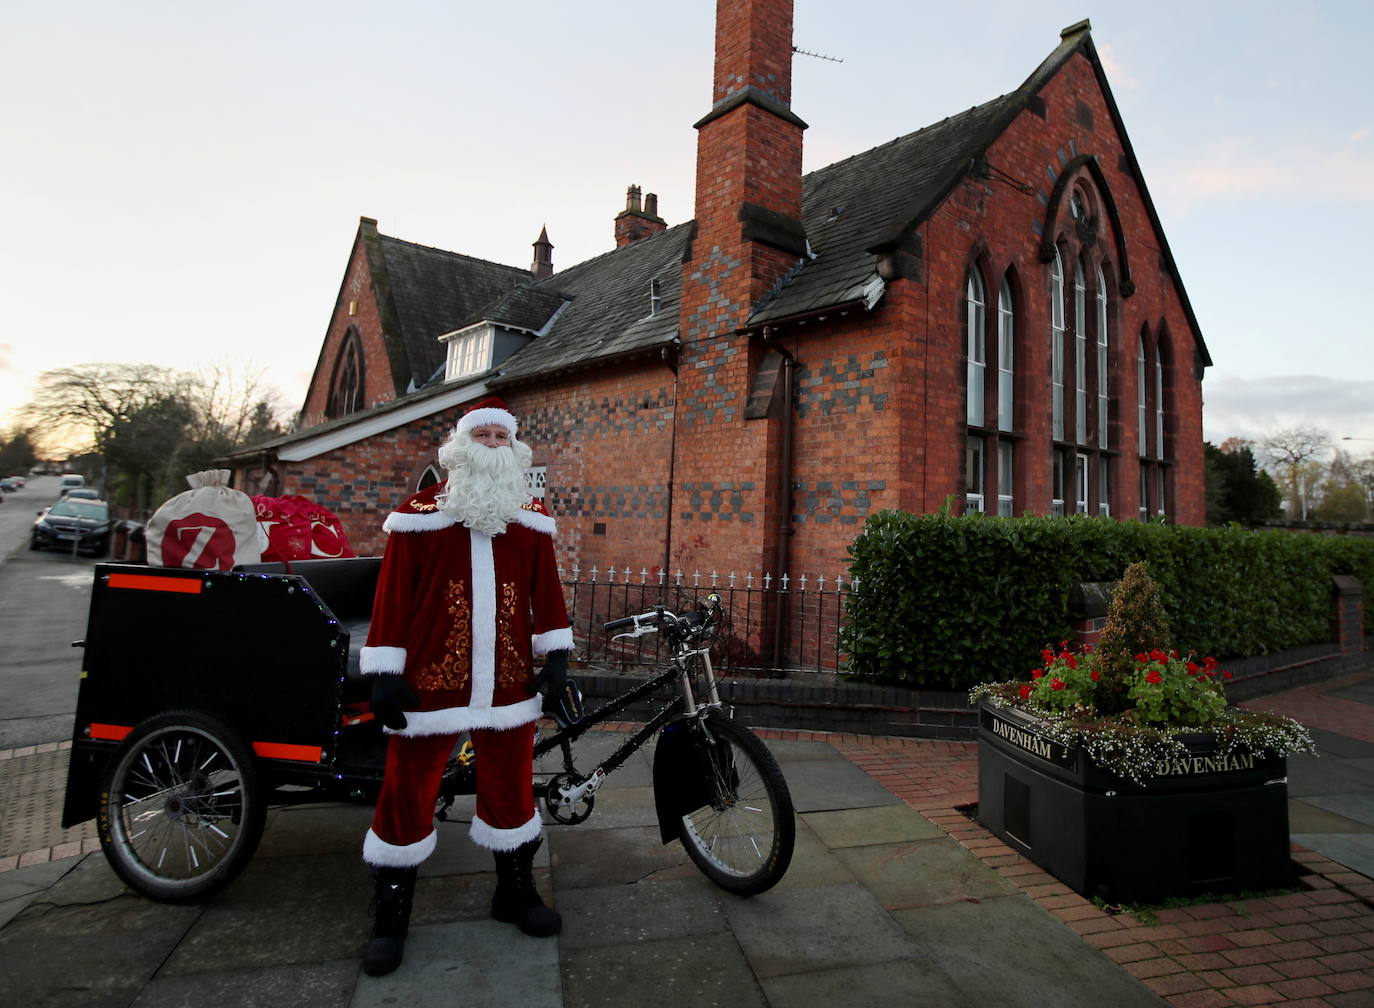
(608, 308)
(872, 199)
(426, 292)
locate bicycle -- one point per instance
(717, 788)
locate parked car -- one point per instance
(84, 522)
(80, 493)
(10, 484)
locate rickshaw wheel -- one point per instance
(181, 809)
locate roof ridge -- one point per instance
(552, 280)
(449, 253)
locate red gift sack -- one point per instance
(296, 528)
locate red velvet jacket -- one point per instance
(462, 615)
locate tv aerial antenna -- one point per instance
(821, 56)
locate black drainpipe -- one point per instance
(785, 533)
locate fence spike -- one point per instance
(854, 584)
(732, 579)
(662, 576)
(767, 580)
(626, 573)
(820, 583)
(696, 578)
(714, 578)
(749, 580)
(593, 574)
(643, 575)
(679, 577)
(784, 582)
(577, 572)
(802, 582)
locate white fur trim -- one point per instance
(552, 640)
(483, 619)
(493, 839)
(377, 851)
(488, 415)
(399, 521)
(534, 520)
(452, 720)
(381, 660)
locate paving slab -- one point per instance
(877, 825)
(1354, 850)
(813, 863)
(648, 911)
(1305, 819)
(809, 930)
(280, 910)
(585, 857)
(983, 951)
(922, 873)
(311, 985)
(912, 981)
(1350, 806)
(700, 969)
(473, 963)
(822, 784)
(21, 887)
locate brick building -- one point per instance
(984, 311)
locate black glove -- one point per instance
(553, 675)
(390, 697)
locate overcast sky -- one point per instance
(183, 181)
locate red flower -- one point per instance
(1154, 677)
(1037, 673)
(1193, 668)
(1096, 675)
(1226, 675)
(1141, 658)
(1025, 691)
(1057, 684)
(1158, 655)
(1073, 662)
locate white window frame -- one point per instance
(1103, 349)
(975, 315)
(1057, 345)
(469, 352)
(1159, 405)
(974, 474)
(1144, 492)
(1058, 477)
(1140, 398)
(1080, 352)
(1006, 358)
(1080, 480)
(1104, 486)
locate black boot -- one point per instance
(517, 900)
(390, 908)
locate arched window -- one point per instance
(1006, 358)
(1140, 408)
(429, 477)
(1080, 353)
(1057, 345)
(1103, 349)
(975, 309)
(346, 388)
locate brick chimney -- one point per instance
(635, 221)
(749, 152)
(748, 235)
(542, 266)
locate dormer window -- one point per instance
(469, 352)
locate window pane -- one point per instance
(1159, 409)
(1081, 484)
(1057, 345)
(1104, 486)
(977, 356)
(1140, 396)
(1006, 473)
(1006, 359)
(973, 474)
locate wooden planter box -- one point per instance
(1205, 824)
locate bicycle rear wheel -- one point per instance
(742, 837)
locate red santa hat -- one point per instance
(491, 410)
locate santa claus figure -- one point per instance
(467, 597)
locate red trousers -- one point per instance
(402, 833)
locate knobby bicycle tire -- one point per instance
(742, 838)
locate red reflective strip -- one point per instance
(111, 732)
(150, 582)
(283, 750)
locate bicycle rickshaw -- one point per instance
(207, 696)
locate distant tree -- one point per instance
(1293, 453)
(1345, 491)
(17, 453)
(1237, 490)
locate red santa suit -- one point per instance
(461, 615)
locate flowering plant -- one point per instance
(1128, 702)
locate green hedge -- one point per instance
(948, 601)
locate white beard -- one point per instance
(486, 487)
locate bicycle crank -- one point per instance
(568, 799)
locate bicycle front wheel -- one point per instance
(742, 837)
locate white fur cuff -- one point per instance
(402, 521)
(382, 660)
(377, 851)
(552, 640)
(452, 720)
(495, 839)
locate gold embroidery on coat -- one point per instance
(425, 506)
(510, 664)
(452, 671)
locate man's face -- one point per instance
(491, 435)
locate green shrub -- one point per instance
(947, 601)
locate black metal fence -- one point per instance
(809, 611)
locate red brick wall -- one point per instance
(378, 385)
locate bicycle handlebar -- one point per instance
(662, 618)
